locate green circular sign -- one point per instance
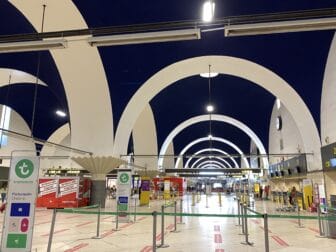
(24, 168)
(124, 178)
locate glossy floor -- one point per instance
(75, 231)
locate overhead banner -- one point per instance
(22, 191)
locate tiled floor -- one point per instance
(74, 231)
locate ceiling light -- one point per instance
(210, 108)
(145, 37)
(208, 11)
(210, 136)
(208, 75)
(280, 27)
(28, 46)
(60, 113)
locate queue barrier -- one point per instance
(242, 217)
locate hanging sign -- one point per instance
(20, 210)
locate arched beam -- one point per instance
(212, 162)
(213, 150)
(215, 117)
(227, 164)
(218, 139)
(225, 65)
(17, 77)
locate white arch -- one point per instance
(218, 139)
(208, 162)
(215, 117)
(225, 65)
(212, 166)
(211, 162)
(219, 158)
(17, 77)
(214, 150)
(86, 68)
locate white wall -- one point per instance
(145, 140)
(290, 134)
(328, 102)
(19, 125)
(168, 162)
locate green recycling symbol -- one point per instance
(124, 178)
(24, 168)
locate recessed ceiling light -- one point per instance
(210, 136)
(278, 103)
(60, 113)
(208, 75)
(210, 108)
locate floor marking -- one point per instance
(170, 226)
(142, 218)
(56, 232)
(107, 233)
(158, 237)
(45, 222)
(218, 238)
(107, 217)
(279, 241)
(79, 246)
(71, 217)
(216, 228)
(255, 221)
(314, 230)
(146, 249)
(219, 250)
(269, 231)
(85, 223)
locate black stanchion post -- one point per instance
(242, 217)
(51, 230)
(299, 219)
(181, 211)
(162, 229)
(266, 232)
(98, 223)
(321, 231)
(238, 203)
(154, 230)
(175, 217)
(117, 218)
(246, 227)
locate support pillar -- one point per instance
(98, 192)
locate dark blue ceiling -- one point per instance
(299, 58)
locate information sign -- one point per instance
(123, 194)
(22, 191)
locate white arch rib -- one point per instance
(218, 139)
(215, 117)
(212, 166)
(211, 162)
(225, 65)
(17, 77)
(219, 158)
(214, 150)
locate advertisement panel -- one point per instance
(68, 192)
(22, 191)
(47, 192)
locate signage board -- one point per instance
(328, 154)
(124, 182)
(22, 192)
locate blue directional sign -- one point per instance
(20, 209)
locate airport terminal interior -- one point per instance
(205, 125)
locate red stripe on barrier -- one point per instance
(82, 245)
(219, 250)
(280, 241)
(216, 228)
(218, 238)
(107, 233)
(83, 224)
(56, 232)
(314, 230)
